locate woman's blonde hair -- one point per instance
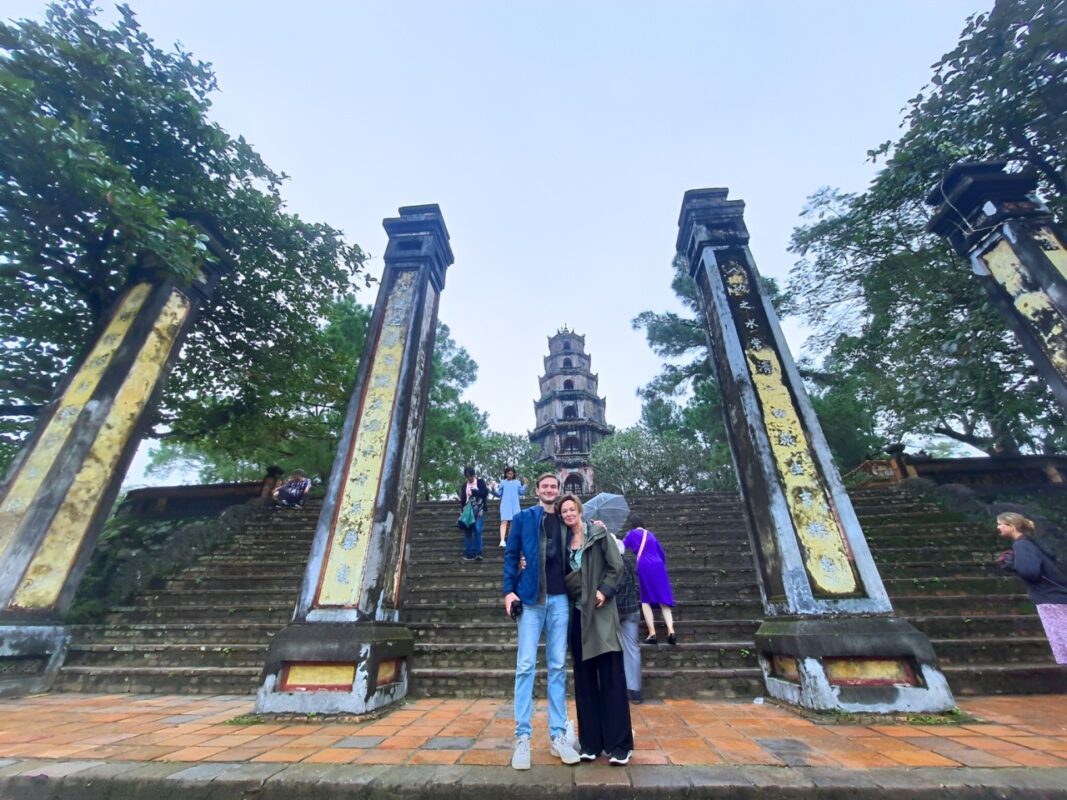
(1017, 521)
(563, 499)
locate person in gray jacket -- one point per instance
(596, 651)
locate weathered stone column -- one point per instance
(830, 640)
(994, 218)
(60, 490)
(344, 651)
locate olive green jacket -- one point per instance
(601, 569)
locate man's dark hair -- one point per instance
(633, 521)
(469, 472)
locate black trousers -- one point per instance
(600, 697)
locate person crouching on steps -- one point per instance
(596, 652)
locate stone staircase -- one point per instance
(206, 630)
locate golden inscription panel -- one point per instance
(1030, 301)
(318, 676)
(1053, 249)
(44, 579)
(824, 548)
(347, 555)
(31, 474)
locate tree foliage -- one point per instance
(906, 326)
(640, 461)
(106, 144)
(295, 423)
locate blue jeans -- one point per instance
(472, 538)
(552, 617)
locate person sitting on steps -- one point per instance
(291, 494)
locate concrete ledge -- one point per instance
(24, 779)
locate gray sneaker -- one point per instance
(564, 750)
(520, 759)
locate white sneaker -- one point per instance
(563, 749)
(520, 759)
(572, 737)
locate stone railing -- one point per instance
(193, 501)
(976, 472)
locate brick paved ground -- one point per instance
(1013, 732)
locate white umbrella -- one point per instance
(611, 509)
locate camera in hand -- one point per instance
(516, 608)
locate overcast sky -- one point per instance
(558, 139)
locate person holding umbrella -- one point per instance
(652, 575)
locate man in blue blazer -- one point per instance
(538, 536)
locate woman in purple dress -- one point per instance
(652, 576)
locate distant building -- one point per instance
(570, 413)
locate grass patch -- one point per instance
(246, 719)
(955, 716)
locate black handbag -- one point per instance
(573, 579)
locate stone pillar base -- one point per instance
(335, 668)
(855, 664)
(30, 657)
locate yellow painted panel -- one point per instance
(786, 667)
(30, 475)
(47, 573)
(825, 550)
(1053, 248)
(349, 543)
(1047, 324)
(868, 671)
(311, 676)
(389, 671)
(1003, 265)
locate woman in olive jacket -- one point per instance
(596, 651)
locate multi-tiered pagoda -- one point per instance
(570, 413)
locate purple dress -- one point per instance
(651, 568)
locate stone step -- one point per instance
(170, 655)
(702, 655)
(1025, 650)
(159, 680)
(963, 605)
(242, 632)
(490, 609)
(1038, 678)
(724, 683)
(223, 599)
(994, 626)
(270, 584)
(927, 569)
(258, 612)
(480, 588)
(504, 632)
(952, 585)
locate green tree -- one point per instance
(106, 144)
(906, 326)
(639, 461)
(295, 423)
(997, 95)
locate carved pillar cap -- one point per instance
(974, 197)
(708, 218)
(418, 237)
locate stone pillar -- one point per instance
(60, 490)
(994, 218)
(344, 651)
(830, 640)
